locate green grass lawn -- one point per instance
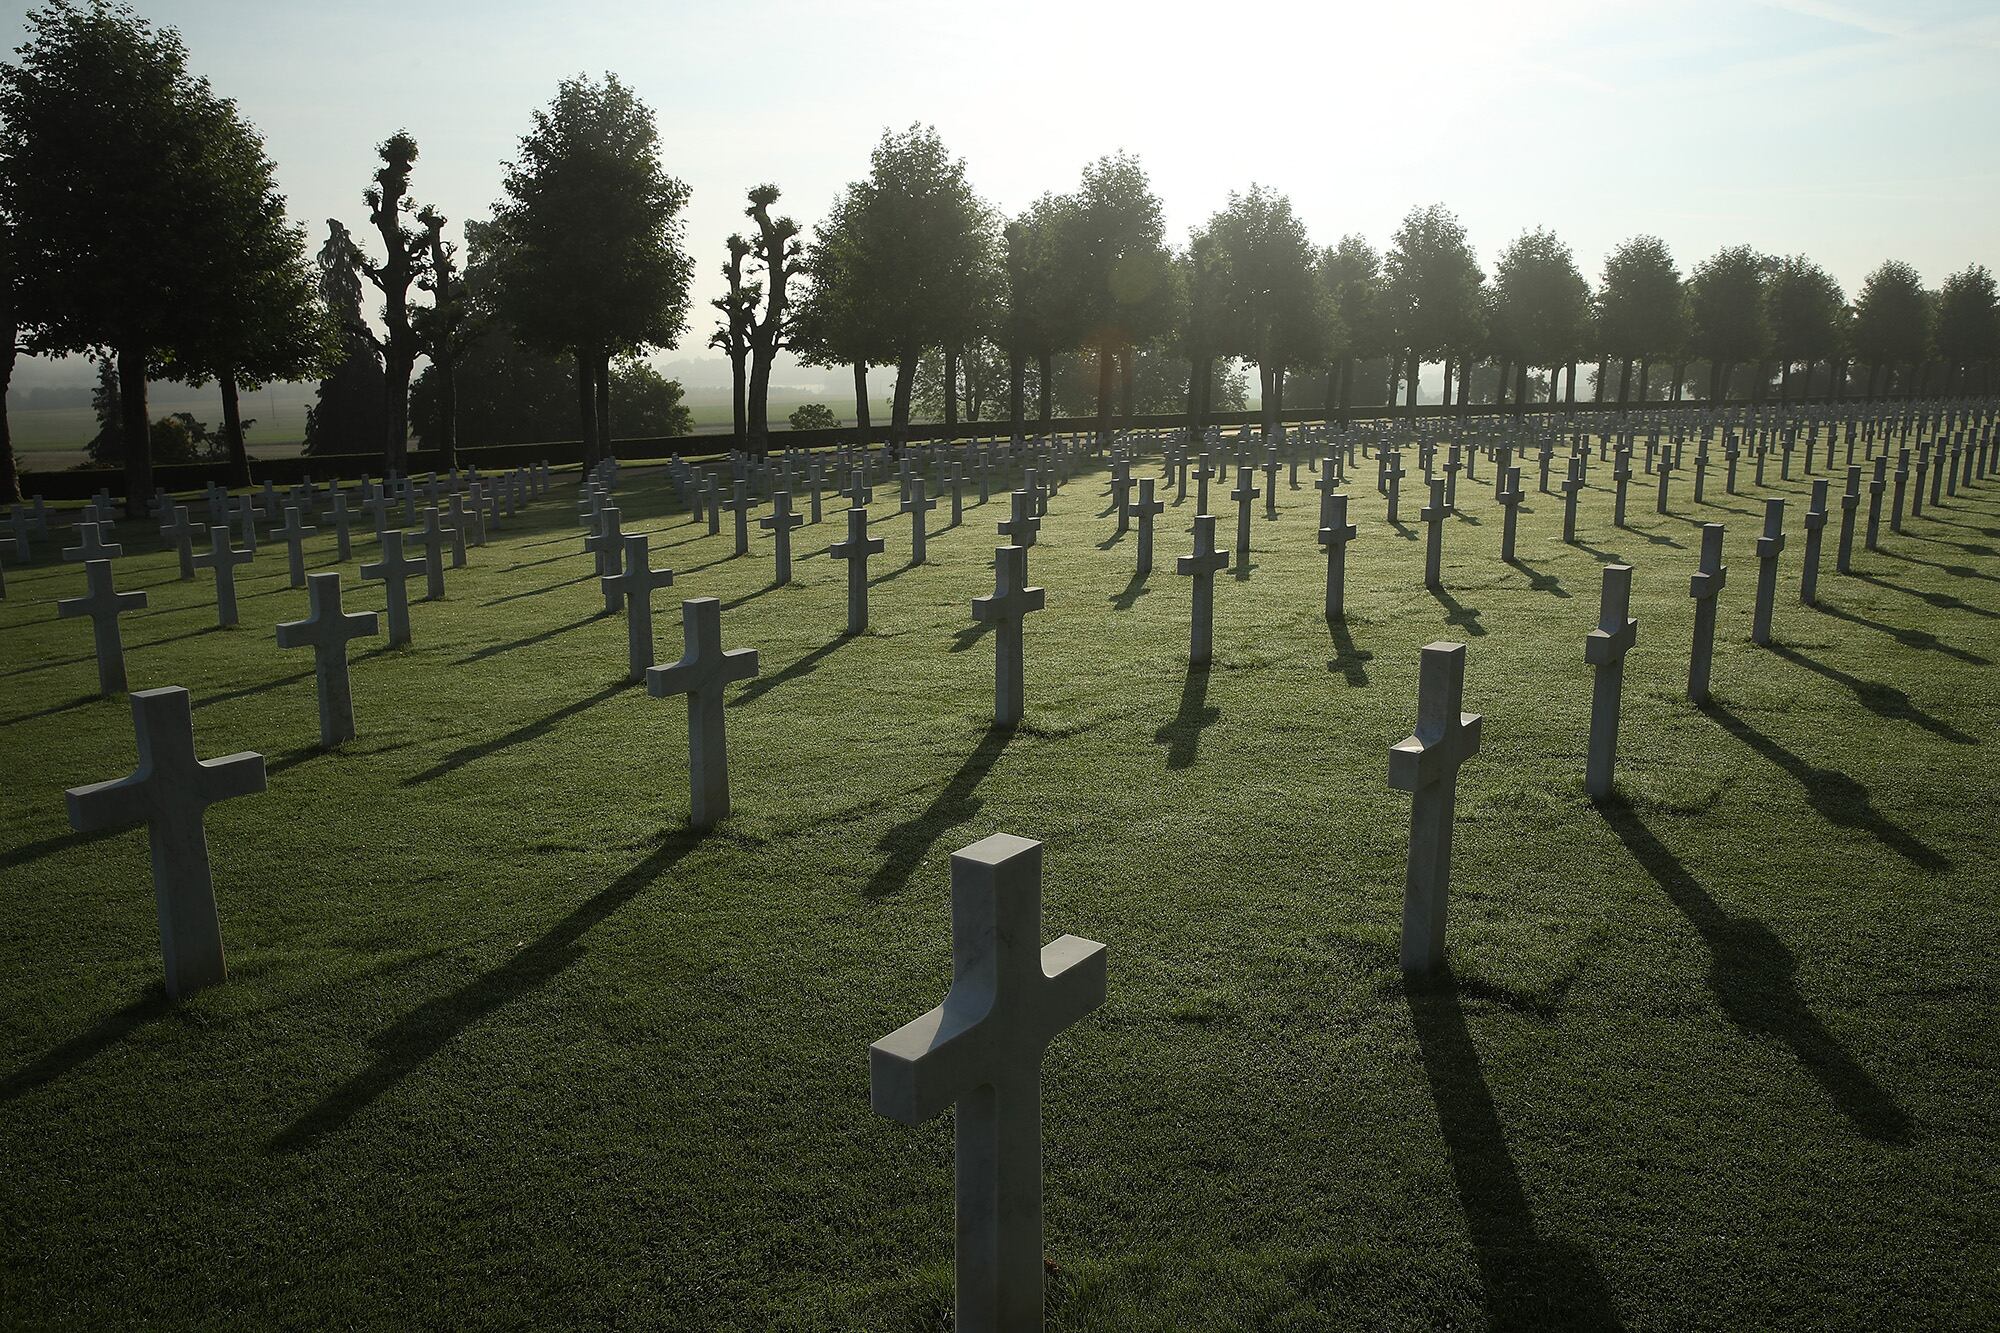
(505, 1044)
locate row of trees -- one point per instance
(139, 223)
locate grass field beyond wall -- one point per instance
(505, 1044)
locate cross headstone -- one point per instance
(1426, 765)
(702, 674)
(1202, 566)
(1816, 517)
(1510, 503)
(855, 551)
(1392, 473)
(779, 523)
(168, 793)
(90, 543)
(1572, 488)
(1768, 547)
(395, 571)
(1022, 526)
(104, 604)
(606, 543)
(1005, 608)
(1703, 586)
(635, 582)
(326, 630)
(917, 506)
(1334, 535)
(1245, 492)
(1433, 516)
(295, 533)
(223, 559)
(434, 535)
(981, 1050)
(1876, 488)
(1605, 648)
(178, 533)
(1145, 508)
(1850, 502)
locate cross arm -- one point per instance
(240, 774)
(925, 1065)
(1075, 970)
(109, 805)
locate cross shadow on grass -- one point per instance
(1754, 980)
(904, 846)
(406, 1045)
(108, 1031)
(80, 701)
(965, 638)
(494, 650)
(1838, 798)
(1182, 736)
(1133, 591)
(1347, 659)
(1530, 1281)
(537, 592)
(1540, 582)
(1942, 600)
(250, 691)
(805, 666)
(1885, 701)
(1909, 638)
(1457, 613)
(459, 758)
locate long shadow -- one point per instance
(29, 853)
(905, 845)
(1838, 798)
(1540, 582)
(80, 701)
(406, 1045)
(458, 759)
(1754, 978)
(1242, 569)
(1943, 601)
(1347, 659)
(1182, 736)
(805, 666)
(970, 635)
(545, 560)
(494, 650)
(1909, 638)
(1530, 1281)
(250, 691)
(108, 1031)
(751, 596)
(1403, 530)
(1956, 571)
(537, 592)
(895, 573)
(1457, 613)
(1110, 541)
(1133, 591)
(1885, 701)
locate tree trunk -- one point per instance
(1521, 385)
(446, 367)
(1625, 382)
(1411, 392)
(138, 429)
(1680, 378)
(739, 400)
(1105, 370)
(757, 412)
(1270, 400)
(861, 422)
(950, 386)
(1645, 379)
(586, 408)
(1450, 364)
(10, 476)
(1046, 366)
(1603, 374)
(232, 430)
(1391, 390)
(1332, 399)
(1569, 386)
(1505, 368)
(1017, 393)
(603, 390)
(1127, 377)
(899, 409)
(396, 397)
(1346, 386)
(1465, 383)
(1198, 373)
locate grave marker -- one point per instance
(1604, 649)
(702, 673)
(1426, 765)
(103, 603)
(1005, 608)
(326, 630)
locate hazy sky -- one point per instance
(1849, 132)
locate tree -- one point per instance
(1891, 322)
(349, 414)
(445, 327)
(403, 266)
(1124, 292)
(123, 176)
(10, 347)
(1433, 288)
(1727, 313)
(831, 322)
(1968, 322)
(1040, 316)
(777, 250)
(1640, 309)
(1541, 305)
(1278, 313)
(1807, 312)
(738, 304)
(649, 402)
(911, 256)
(813, 416)
(1351, 272)
(587, 245)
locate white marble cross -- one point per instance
(394, 569)
(1703, 587)
(1604, 648)
(104, 604)
(434, 535)
(635, 582)
(178, 533)
(1426, 765)
(223, 559)
(90, 543)
(294, 534)
(1005, 607)
(918, 506)
(1334, 536)
(326, 630)
(855, 551)
(1145, 508)
(168, 793)
(607, 543)
(1202, 566)
(779, 523)
(702, 674)
(981, 1051)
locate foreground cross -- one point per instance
(1334, 536)
(702, 673)
(779, 523)
(1005, 607)
(634, 584)
(855, 551)
(168, 793)
(1202, 566)
(1145, 508)
(982, 1051)
(1768, 547)
(223, 559)
(104, 604)
(1605, 648)
(326, 630)
(1816, 516)
(1703, 587)
(1426, 765)
(395, 572)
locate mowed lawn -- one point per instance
(504, 1044)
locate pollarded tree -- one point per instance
(1125, 292)
(348, 415)
(776, 249)
(1544, 304)
(1279, 313)
(1433, 288)
(912, 253)
(1726, 310)
(587, 244)
(447, 326)
(1892, 323)
(403, 265)
(1968, 323)
(1640, 309)
(1351, 272)
(121, 172)
(1807, 316)
(738, 307)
